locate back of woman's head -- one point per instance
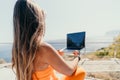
(29, 27)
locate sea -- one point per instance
(91, 44)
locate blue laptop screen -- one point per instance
(76, 41)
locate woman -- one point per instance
(32, 58)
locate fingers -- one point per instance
(76, 53)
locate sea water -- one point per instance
(90, 46)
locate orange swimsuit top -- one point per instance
(47, 74)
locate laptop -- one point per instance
(75, 41)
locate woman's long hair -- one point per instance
(29, 28)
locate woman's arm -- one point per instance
(53, 58)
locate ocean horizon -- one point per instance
(91, 45)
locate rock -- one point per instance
(2, 61)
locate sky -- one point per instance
(96, 17)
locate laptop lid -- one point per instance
(76, 41)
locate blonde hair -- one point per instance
(29, 28)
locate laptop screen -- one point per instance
(76, 41)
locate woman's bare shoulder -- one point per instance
(47, 48)
(47, 51)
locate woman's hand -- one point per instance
(76, 53)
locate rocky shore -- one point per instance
(2, 61)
